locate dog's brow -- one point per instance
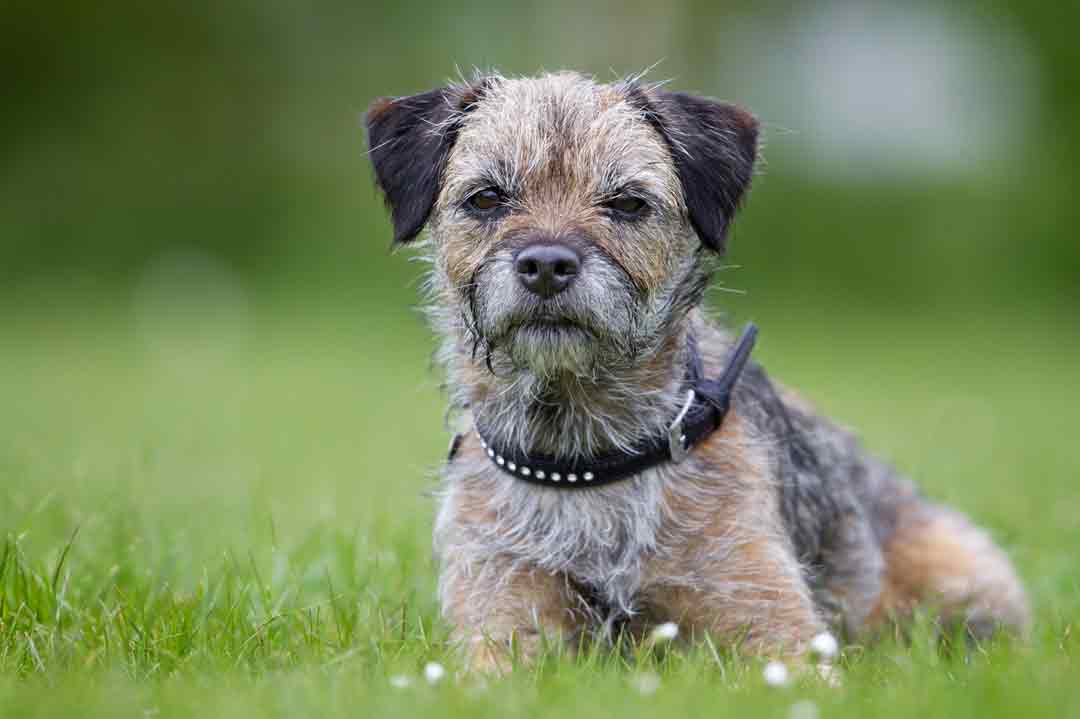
(489, 170)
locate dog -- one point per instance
(621, 464)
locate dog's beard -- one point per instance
(581, 333)
(549, 348)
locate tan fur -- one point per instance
(496, 604)
(744, 582)
(937, 558)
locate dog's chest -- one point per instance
(600, 539)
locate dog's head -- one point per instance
(572, 223)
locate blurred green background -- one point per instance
(918, 154)
(211, 366)
(190, 236)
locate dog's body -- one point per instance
(574, 228)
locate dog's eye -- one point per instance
(627, 205)
(486, 200)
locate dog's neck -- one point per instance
(569, 416)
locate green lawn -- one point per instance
(228, 517)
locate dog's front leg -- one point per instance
(749, 595)
(754, 599)
(500, 608)
(728, 568)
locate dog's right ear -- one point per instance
(409, 140)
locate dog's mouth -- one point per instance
(549, 346)
(550, 328)
(543, 325)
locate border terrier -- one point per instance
(620, 463)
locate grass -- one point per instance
(227, 517)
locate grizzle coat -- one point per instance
(775, 528)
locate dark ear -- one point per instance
(714, 146)
(409, 140)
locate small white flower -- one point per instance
(776, 674)
(824, 646)
(400, 681)
(665, 632)
(434, 672)
(804, 709)
(646, 683)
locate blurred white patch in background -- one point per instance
(192, 313)
(882, 91)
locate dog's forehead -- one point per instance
(528, 127)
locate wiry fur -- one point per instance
(777, 526)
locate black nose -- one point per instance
(547, 270)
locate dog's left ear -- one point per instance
(409, 140)
(714, 146)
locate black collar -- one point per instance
(707, 403)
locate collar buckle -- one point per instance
(676, 436)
